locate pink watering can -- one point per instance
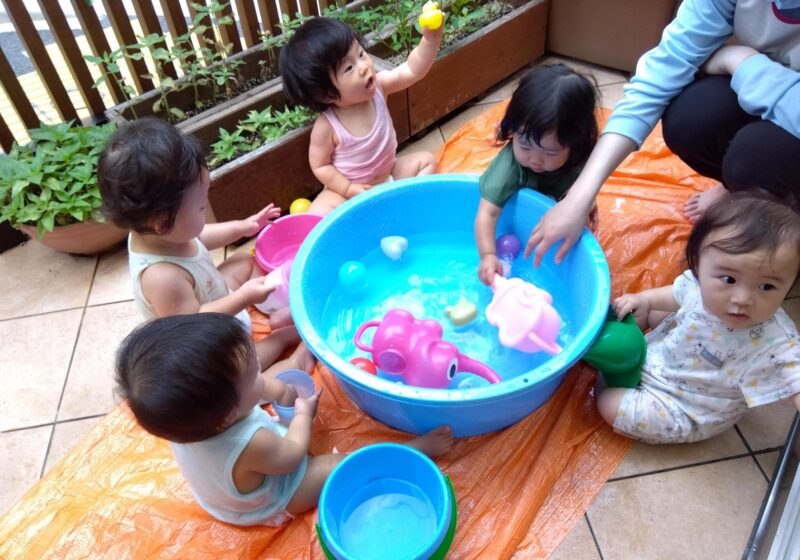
(524, 315)
(403, 345)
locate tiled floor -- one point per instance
(61, 318)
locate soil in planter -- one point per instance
(492, 11)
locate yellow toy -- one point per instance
(462, 313)
(431, 16)
(299, 206)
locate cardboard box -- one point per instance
(613, 33)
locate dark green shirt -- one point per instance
(505, 177)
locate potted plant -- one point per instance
(48, 188)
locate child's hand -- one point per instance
(255, 290)
(255, 223)
(356, 189)
(307, 406)
(488, 267)
(632, 303)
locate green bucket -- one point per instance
(619, 351)
(440, 552)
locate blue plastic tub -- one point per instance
(385, 502)
(436, 215)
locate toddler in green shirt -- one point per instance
(551, 123)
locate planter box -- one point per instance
(142, 105)
(279, 172)
(470, 67)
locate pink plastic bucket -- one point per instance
(280, 240)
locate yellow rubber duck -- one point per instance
(462, 313)
(431, 16)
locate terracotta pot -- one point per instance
(87, 238)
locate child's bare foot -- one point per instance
(698, 203)
(302, 358)
(434, 443)
(280, 318)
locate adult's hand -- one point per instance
(727, 59)
(565, 221)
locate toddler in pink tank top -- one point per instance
(353, 143)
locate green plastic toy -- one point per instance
(619, 351)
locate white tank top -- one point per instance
(208, 467)
(209, 285)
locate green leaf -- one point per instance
(177, 112)
(48, 222)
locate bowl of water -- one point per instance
(386, 502)
(435, 214)
(279, 241)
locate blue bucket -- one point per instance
(385, 502)
(436, 215)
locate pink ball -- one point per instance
(508, 246)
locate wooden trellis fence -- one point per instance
(67, 69)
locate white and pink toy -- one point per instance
(524, 315)
(279, 280)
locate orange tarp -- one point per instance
(520, 491)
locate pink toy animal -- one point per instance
(525, 316)
(403, 345)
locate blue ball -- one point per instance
(353, 276)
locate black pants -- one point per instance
(705, 126)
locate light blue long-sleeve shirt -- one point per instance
(767, 85)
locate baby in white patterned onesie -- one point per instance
(720, 342)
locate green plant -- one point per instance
(109, 63)
(464, 15)
(255, 130)
(52, 180)
(217, 69)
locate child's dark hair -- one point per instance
(179, 374)
(311, 57)
(554, 98)
(757, 222)
(144, 171)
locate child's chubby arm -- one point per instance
(269, 453)
(418, 64)
(214, 236)
(170, 290)
(320, 152)
(485, 232)
(642, 303)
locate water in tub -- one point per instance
(435, 272)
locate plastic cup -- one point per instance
(304, 386)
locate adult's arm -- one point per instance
(769, 90)
(699, 28)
